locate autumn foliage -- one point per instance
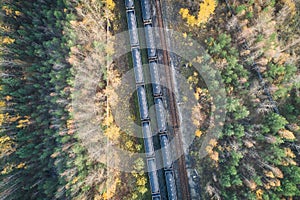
(207, 8)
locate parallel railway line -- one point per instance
(142, 99)
(175, 122)
(172, 130)
(164, 130)
(158, 100)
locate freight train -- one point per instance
(158, 100)
(142, 100)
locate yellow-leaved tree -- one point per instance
(207, 8)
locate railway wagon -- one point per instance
(149, 149)
(132, 27)
(129, 4)
(166, 151)
(150, 42)
(153, 176)
(156, 197)
(160, 115)
(171, 187)
(137, 65)
(141, 92)
(155, 80)
(146, 10)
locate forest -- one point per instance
(45, 48)
(56, 63)
(255, 45)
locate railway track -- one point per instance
(142, 100)
(162, 129)
(174, 118)
(165, 132)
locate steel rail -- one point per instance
(173, 105)
(143, 104)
